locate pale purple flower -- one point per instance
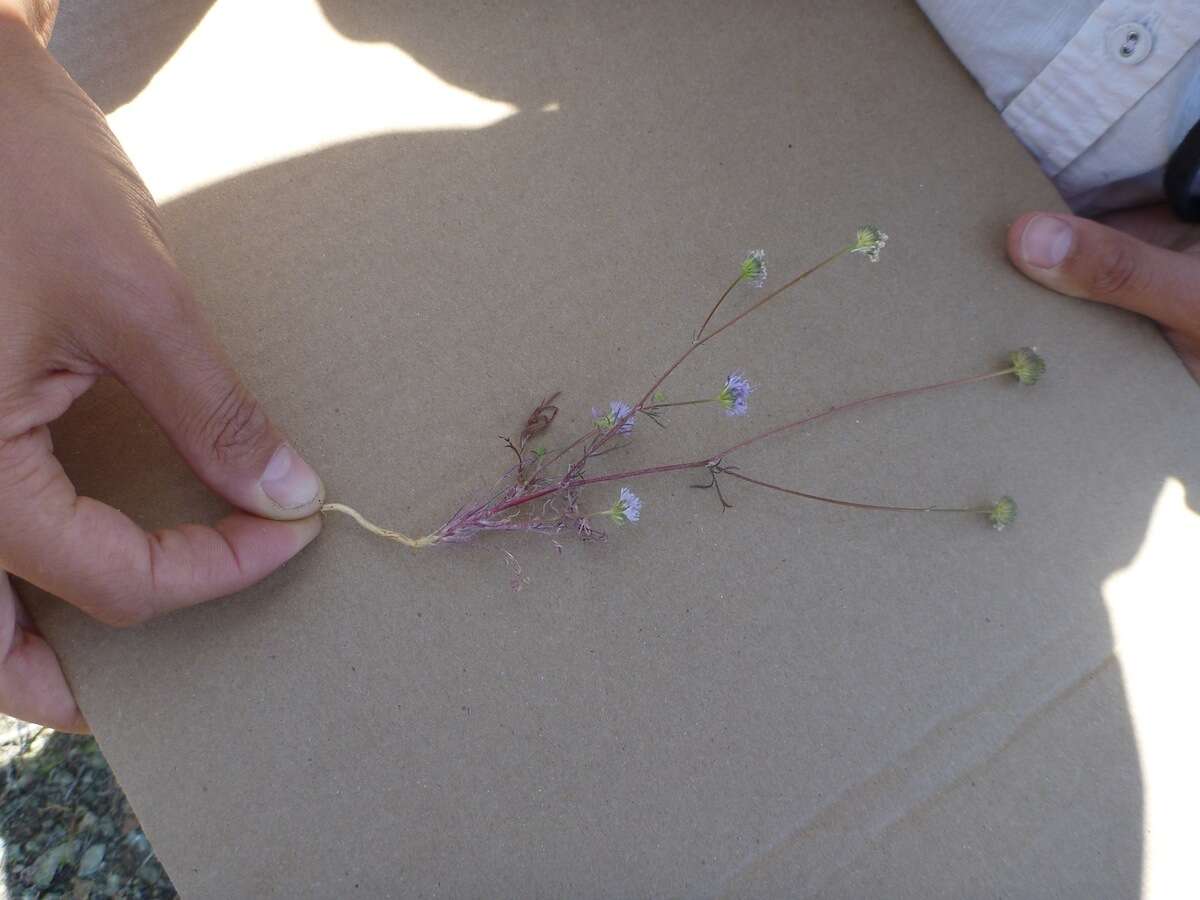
(869, 241)
(734, 394)
(616, 412)
(628, 507)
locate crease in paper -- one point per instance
(955, 745)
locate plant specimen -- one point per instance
(543, 490)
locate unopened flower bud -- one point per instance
(1003, 513)
(1027, 365)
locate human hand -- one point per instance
(1143, 260)
(88, 288)
(39, 15)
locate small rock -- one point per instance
(137, 841)
(50, 862)
(91, 860)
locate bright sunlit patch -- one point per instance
(260, 82)
(1154, 606)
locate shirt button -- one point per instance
(1130, 43)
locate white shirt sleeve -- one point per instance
(1100, 91)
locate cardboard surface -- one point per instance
(784, 699)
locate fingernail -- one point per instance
(289, 480)
(1045, 242)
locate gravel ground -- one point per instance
(66, 830)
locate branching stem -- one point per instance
(717, 457)
(890, 395)
(704, 340)
(654, 406)
(852, 503)
(716, 306)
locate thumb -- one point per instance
(1085, 259)
(180, 374)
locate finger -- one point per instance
(38, 16)
(169, 359)
(1086, 259)
(1156, 225)
(97, 559)
(32, 684)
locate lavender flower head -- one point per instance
(616, 412)
(628, 507)
(734, 394)
(869, 241)
(754, 268)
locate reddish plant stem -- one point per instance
(713, 311)
(599, 479)
(654, 406)
(891, 395)
(577, 466)
(851, 503)
(574, 469)
(700, 343)
(717, 457)
(571, 446)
